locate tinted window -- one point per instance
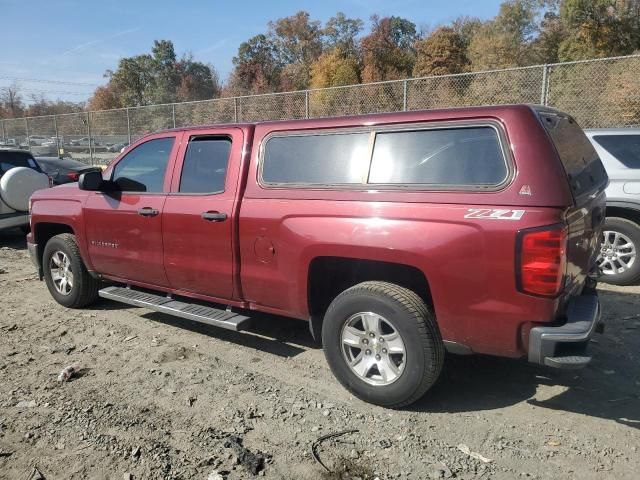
(9, 160)
(455, 156)
(316, 159)
(143, 168)
(580, 160)
(626, 148)
(205, 165)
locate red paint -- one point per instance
(259, 257)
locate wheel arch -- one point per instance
(328, 276)
(628, 211)
(45, 231)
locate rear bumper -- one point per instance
(565, 346)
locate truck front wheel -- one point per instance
(382, 343)
(65, 274)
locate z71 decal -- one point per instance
(494, 214)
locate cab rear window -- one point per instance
(581, 163)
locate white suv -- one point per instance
(619, 150)
(20, 176)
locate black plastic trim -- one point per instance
(583, 320)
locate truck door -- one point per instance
(124, 227)
(199, 214)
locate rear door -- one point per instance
(588, 179)
(199, 214)
(124, 228)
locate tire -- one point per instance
(82, 288)
(18, 184)
(611, 270)
(393, 308)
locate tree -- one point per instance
(159, 77)
(166, 76)
(11, 101)
(340, 33)
(197, 81)
(466, 27)
(545, 48)
(332, 69)
(105, 98)
(256, 67)
(39, 105)
(599, 28)
(441, 53)
(297, 39)
(388, 52)
(133, 79)
(504, 41)
(298, 43)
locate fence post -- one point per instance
(545, 80)
(404, 95)
(235, 109)
(90, 139)
(173, 114)
(55, 129)
(306, 104)
(128, 125)
(26, 128)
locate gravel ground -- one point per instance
(158, 397)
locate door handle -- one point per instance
(214, 216)
(148, 212)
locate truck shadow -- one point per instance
(284, 337)
(608, 388)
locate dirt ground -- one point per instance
(159, 397)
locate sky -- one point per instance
(62, 48)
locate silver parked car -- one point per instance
(619, 150)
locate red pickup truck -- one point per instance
(396, 236)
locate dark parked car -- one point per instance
(64, 170)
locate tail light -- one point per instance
(73, 176)
(541, 260)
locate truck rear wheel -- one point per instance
(382, 343)
(65, 274)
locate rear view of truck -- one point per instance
(560, 261)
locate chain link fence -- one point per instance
(598, 93)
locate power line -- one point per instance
(37, 90)
(42, 80)
(57, 92)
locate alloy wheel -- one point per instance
(61, 273)
(373, 348)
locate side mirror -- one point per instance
(91, 181)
